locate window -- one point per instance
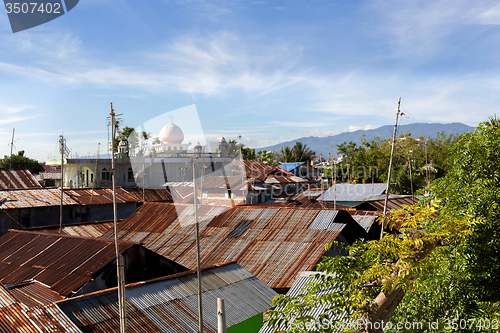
(105, 174)
(130, 175)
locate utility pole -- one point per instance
(11, 146)
(221, 316)
(63, 149)
(119, 259)
(197, 235)
(398, 113)
(411, 178)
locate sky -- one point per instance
(270, 71)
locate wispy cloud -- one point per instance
(354, 128)
(12, 109)
(193, 64)
(208, 9)
(10, 120)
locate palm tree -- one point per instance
(302, 153)
(285, 155)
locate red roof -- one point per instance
(274, 244)
(64, 263)
(17, 179)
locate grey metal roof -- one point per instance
(353, 192)
(366, 221)
(299, 287)
(171, 304)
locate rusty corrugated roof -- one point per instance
(274, 244)
(99, 196)
(150, 195)
(393, 203)
(303, 203)
(34, 294)
(16, 317)
(34, 197)
(94, 229)
(64, 263)
(19, 179)
(169, 304)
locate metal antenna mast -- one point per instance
(63, 149)
(398, 113)
(119, 259)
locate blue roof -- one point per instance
(290, 166)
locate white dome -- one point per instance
(171, 134)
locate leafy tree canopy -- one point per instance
(21, 161)
(425, 157)
(369, 282)
(298, 153)
(136, 142)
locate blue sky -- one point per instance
(269, 71)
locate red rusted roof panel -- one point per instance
(64, 263)
(150, 195)
(17, 179)
(99, 196)
(274, 244)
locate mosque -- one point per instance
(169, 161)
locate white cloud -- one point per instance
(211, 64)
(354, 128)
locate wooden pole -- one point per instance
(119, 259)
(221, 316)
(62, 149)
(398, 113)
(10, 162)
(197, 234)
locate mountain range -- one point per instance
(324, 145)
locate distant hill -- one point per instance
(325, 144)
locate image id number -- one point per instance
(33, 7)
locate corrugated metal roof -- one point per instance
(99, 196)
(170, 304)
(150, 195)
(48, 175)
(275, 244)
(50, 318)
(302, 203)
(64, 263)
(6, 297)
(34, 294)
(93, 229)
(15, 317)
(366, 221)
(19, 179)
(274, 179)
(35, 197)
(300, 286)
(393, 203)
(353, 192)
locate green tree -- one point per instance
(302, 153)
(286, 155)
(267, 157)
(21, 161)
(298, 153)
(136, 142)
(370, 160)
(248, 153)
(467, 283)
(372, 279)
